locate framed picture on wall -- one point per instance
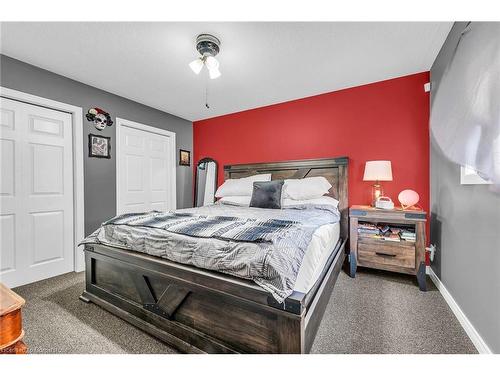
(99, 146)
(184, 158)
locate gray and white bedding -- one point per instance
(263, 245)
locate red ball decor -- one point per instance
(408, 198)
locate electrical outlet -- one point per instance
(432, 250)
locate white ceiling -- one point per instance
(261, 63)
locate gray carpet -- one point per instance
(376, 312)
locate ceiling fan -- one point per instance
(208, 47)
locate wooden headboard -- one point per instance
(335, 170)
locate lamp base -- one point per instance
(377, 192)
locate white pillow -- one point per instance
(287, 202)
(236, 201)
(306, 188)
(240, 186)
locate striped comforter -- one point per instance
(222, 227)
(264, 245)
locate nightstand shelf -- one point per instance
(376, 252)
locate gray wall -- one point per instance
(100, 174)
(465, 226)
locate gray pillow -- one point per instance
(267, 194)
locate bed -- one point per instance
(199, 310)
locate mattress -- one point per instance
(319, 250)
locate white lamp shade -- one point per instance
(196, 66)
(214, 73)
(212, 63)
(378, 170)
(213, 67)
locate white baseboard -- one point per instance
(476, 339)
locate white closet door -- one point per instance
(161, 149)
(36, 193)
(146, 169)
(133, 183)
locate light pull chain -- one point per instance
(206, 97)
(206, 92)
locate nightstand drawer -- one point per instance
(373, 252)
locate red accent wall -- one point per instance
(386, 120)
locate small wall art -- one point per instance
(99, 146)
(99, 117)
(184, 158)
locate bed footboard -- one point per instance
(198, 311)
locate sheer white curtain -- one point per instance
(465, 115)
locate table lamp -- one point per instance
(377, 170)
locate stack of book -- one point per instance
(394, 237)
(408, 235)
(368, 230)
(386, 232)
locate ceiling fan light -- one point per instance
(212, 63)
(196, 66)
(214, 73)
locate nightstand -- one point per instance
(374, 251)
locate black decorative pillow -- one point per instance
(267, 194)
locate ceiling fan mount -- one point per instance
(207, 45)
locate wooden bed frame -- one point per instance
(196, 310)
